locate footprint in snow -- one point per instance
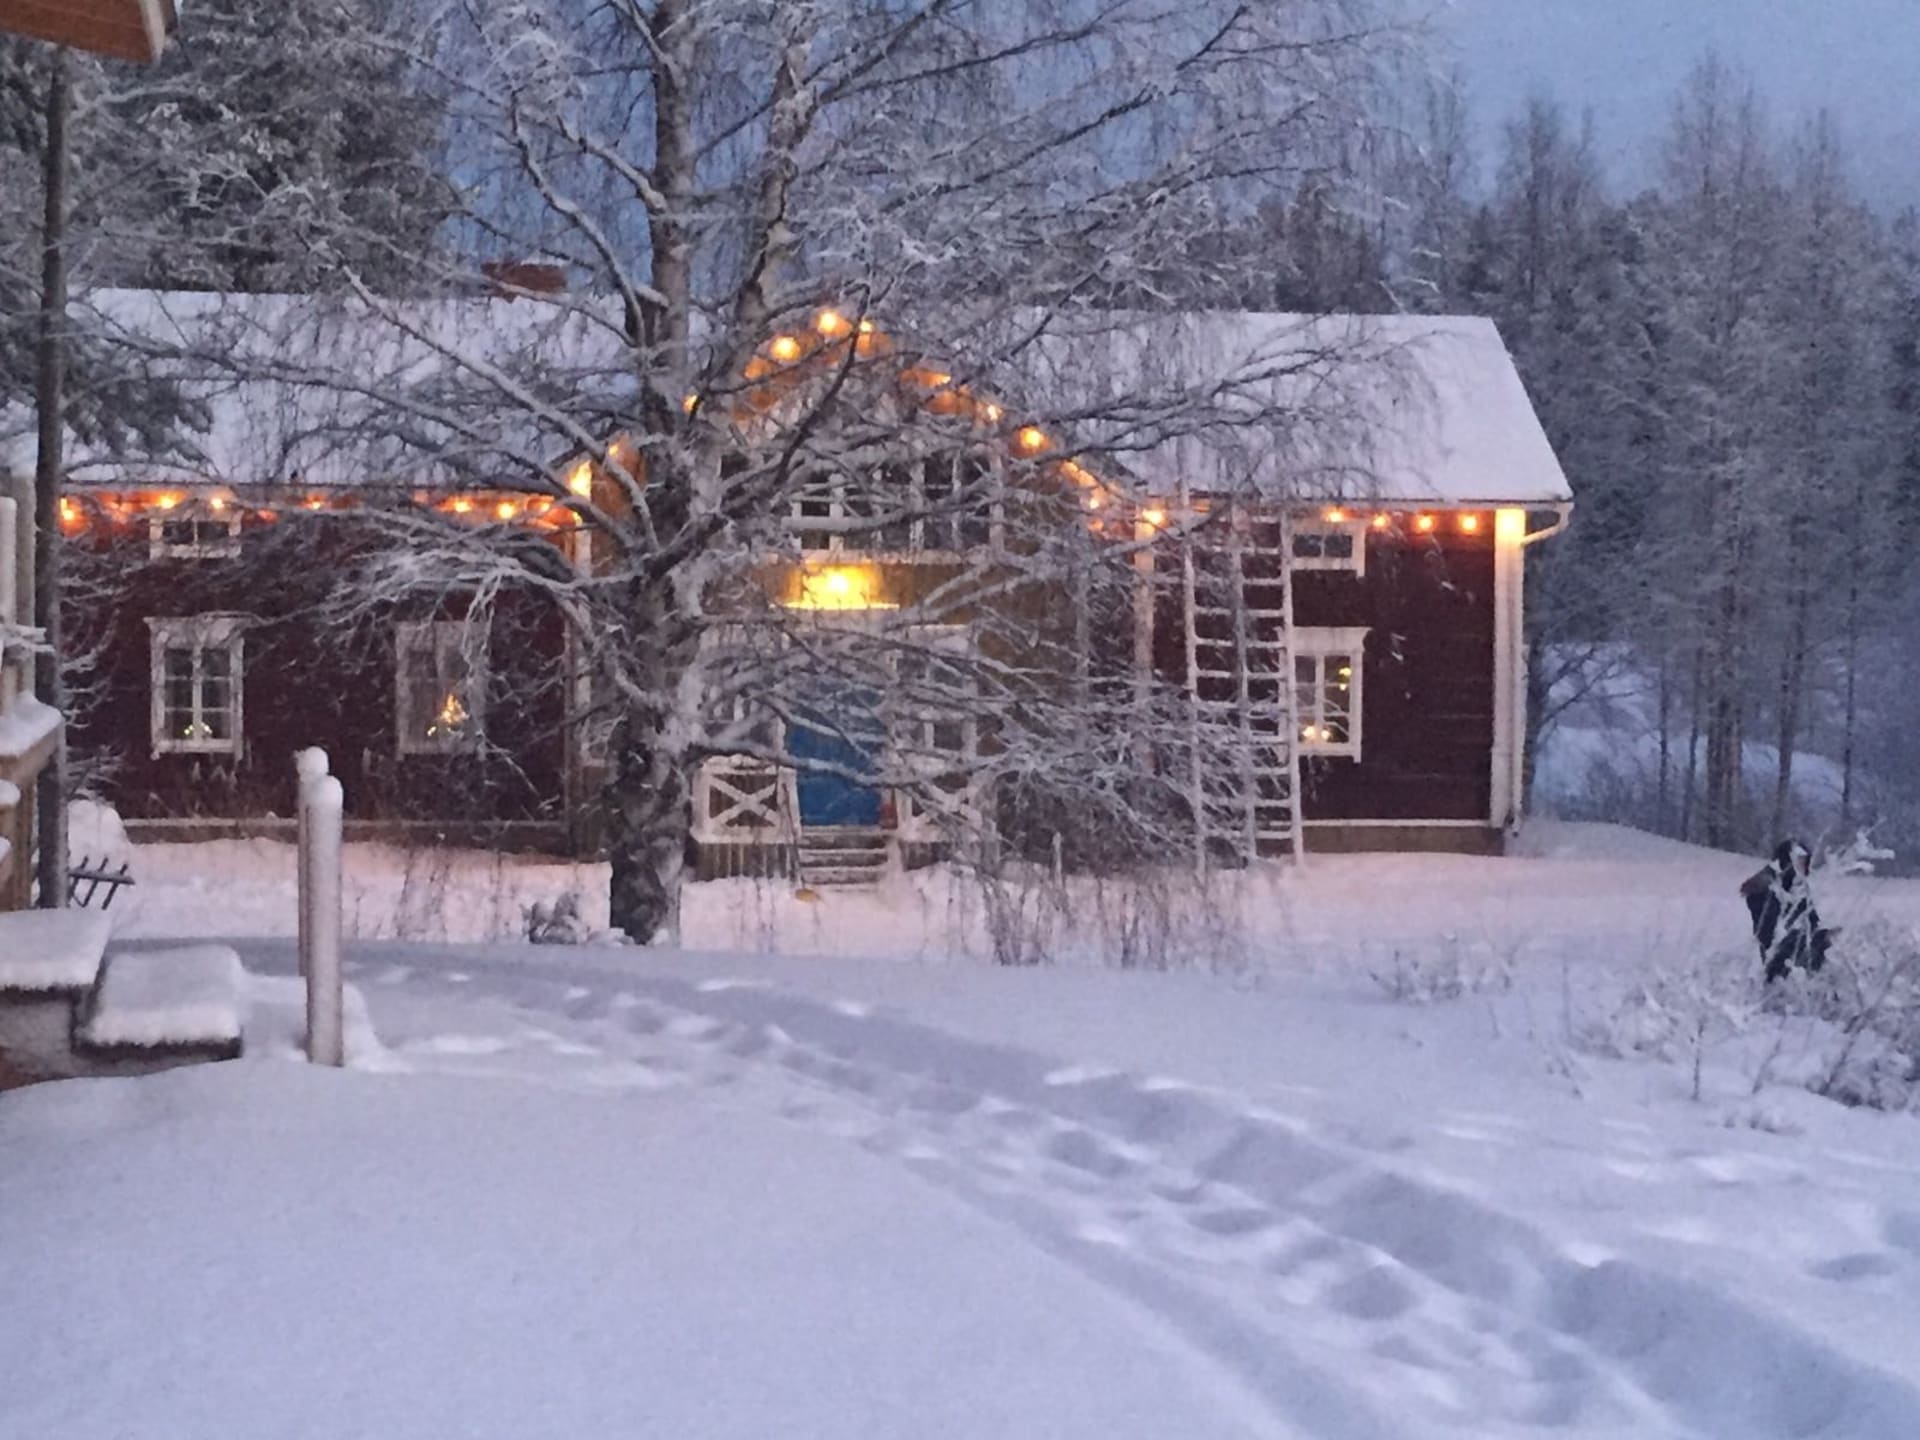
(1864, 1265)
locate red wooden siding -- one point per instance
(308, 682)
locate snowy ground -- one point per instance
(599, 1192)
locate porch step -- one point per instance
(51, 952)
(165, 1006)
(842, 857)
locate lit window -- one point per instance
(1327, 665)
(1323, 544)
(440, 685)
(196, 685)
(193, 533)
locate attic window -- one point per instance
(196, 532)
(1324, 543)
(945, 504)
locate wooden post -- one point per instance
(325, 818)
(308, 766)
(49, 401)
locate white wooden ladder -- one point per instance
(1243, 723)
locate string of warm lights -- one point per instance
(124, 507)
(1111, 511)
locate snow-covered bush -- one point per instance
(560, 923)
(1447, 971)
(1868, 997)
(1679, 1010)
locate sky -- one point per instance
(1625, 58)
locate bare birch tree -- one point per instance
(791, 281)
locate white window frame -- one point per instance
(1355, 563)
(1320, 644)
(161, 548)
(456, 634)
(198, 634)
(838, 543)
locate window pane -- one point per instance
(1337, 545)
(215, 662)
(975, 521)
(1307, 545)
(895, 500)
(937, 478)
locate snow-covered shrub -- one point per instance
(557, 924)
(1445, 971)
(1869, 995)
(1858, 856)
(1679, 1010)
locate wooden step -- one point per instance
(156, 1008)
(51, 952)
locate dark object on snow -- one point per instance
(95, 876)
(1785, 923)
(560, 924)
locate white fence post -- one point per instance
(325, 821)
(308, 766)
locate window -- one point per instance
(944, 504)
(440, 686)
(1323, 544)
(1327, 667)
(196, 685)
(193, 532)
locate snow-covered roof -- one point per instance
(1416, 409)
(334, 392)
(1422, 409)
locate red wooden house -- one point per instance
(1379, 572)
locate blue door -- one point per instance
(846, 737)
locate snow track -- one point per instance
(1351, 1295)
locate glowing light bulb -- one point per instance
(1423, 523)
(580, 478)
(167, 502)
(785, 348)
(1032, 439)
(1382, 520)
(506, 510)
(831, 323)
(1469, 524)
(1336, 516)
(462, 505)
(1155, 517)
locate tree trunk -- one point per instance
(1663, 800)
(49, 401)
(1851, 719)
(648, 826)
(1792, 683)
(1691, 789)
